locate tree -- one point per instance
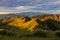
(52, 24)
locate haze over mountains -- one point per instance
(20, 14)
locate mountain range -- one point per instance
(20, 14)
(31, 23)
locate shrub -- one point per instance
(52, 24)
(6, 33)
(58, 34)
(25, 33)
(40, 33)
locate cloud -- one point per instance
(21, 9)
(25, 7)
(57, 2)
(4, 12)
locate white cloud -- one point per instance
(57, 2)
(24, 7)
(21, 9)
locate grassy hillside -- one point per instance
(35, 28)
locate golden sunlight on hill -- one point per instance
(29, 23)
(19, 22)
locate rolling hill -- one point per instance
(30, 23)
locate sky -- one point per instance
(18, 6)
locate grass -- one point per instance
(50, 37)
(26, 38)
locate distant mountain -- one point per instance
(20, 14)
(29, 13)
(8, 15)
